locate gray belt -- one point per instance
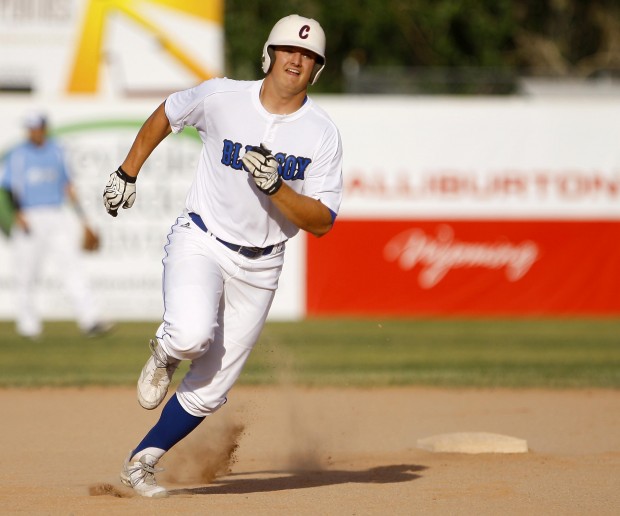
(248, 252)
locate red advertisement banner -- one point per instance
(465, 267)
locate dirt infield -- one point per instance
(285, 451)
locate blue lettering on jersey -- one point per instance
(230, 155)
(302, 165)
(287, 168)
(291, 168)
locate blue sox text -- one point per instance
(291, 168)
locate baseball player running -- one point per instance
(271, 164)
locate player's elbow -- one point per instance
(325, 222)
(321, 230)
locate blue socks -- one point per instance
(174, 424)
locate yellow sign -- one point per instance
(84, 75)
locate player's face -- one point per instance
(37, 135)
(293, 65)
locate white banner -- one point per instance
(493, 158)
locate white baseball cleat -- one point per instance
(139, 474)
(155, 377)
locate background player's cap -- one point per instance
(297, 31)
(35, 120)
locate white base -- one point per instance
(473, 442)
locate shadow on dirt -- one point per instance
(285, 480)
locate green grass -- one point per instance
(567, 353)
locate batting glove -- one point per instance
(263, 167)
(119, 192)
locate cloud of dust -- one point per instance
(106, 490)
(207, 453)
(305, 439)
(304, 448)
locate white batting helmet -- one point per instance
(297, 31)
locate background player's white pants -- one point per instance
(216, 302)
(53, 235)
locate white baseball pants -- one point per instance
(216, 302)
(53, 235)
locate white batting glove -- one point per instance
(263, 167)
(119, 192)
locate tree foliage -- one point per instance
(552, 37)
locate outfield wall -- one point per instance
(474, 207)
(470, 206)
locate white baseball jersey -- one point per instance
(230, 119)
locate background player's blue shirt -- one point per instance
(36, 175)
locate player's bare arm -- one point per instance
(21, 221)
(74, 198)
(120, 192)
(303, 211)
(151, 134)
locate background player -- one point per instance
(37, 178)
(226, 250)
